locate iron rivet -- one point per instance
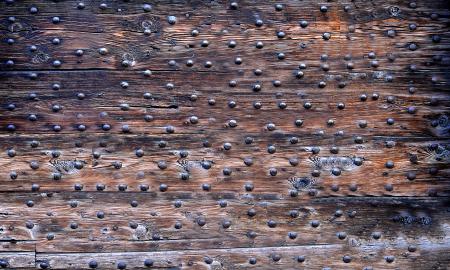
(232, 44)
(315, 223)
(271, 223)
(326, 36)
(281, 34)
(147, 7)
(11, 152)
(376, 235)
(121, 265)
(148, 262)
(347, 259)
(334, 188)
(234, 5)
(148, 118)
(56, 20)
(103, 51)
(411, 176)
(201, 221)
(276, 257)
(206, 187)
(163, 187)
(33, 10)
(341, 235)
(93, 264)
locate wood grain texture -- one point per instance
(187, 135)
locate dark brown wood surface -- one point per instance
(225, 134)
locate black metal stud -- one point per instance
(347, 259)
(93, 264)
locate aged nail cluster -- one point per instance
(224, 134)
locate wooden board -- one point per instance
(225, 134)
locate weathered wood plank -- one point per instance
(154, 217)
(16, 245)
(167, 109)
(428, 175)
(316, 257)
(18, 260)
